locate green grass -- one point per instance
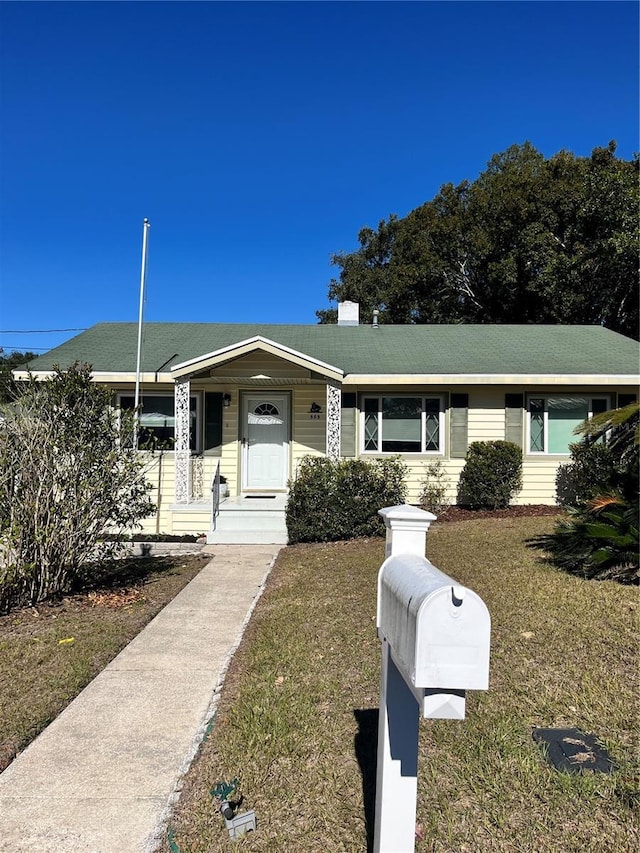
(50, 653)
(297, 720)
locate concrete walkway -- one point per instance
(102, 776)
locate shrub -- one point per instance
(600, 538)
(329, 501)
(67, 473)
(434, 487)
(589, 473)
(492, 474)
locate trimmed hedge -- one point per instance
(330, 501)
(492, 474)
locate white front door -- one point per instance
(265, 441)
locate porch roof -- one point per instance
(364, 351)
(256, 343)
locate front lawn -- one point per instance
(49, 653)
(297, 721)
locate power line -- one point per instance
(37, 331)
(22, 348)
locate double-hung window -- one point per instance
(158, 422)
(402, 424)
(552, 419)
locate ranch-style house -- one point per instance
(249, 401)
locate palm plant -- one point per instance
(600, 539)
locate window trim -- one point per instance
(406, 395)
(589, 396)
(194, 395)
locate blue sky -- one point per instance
(258, 138)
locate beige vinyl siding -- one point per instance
(538, 478)
(417, 473)
(308, 434)
(190, 521)
(486, 421)
(160, 471)
(260, 363)
(486, 415)
(209, 465)
(230, 456)
(539, 481)
(171, 517)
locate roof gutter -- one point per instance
(543, 379)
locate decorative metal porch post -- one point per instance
(334, 400)
(182, 395)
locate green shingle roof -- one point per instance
(424, 349)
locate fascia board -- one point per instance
(36, 374)
(241, 348)
(389, 379)
(104, 376)
(150, 378)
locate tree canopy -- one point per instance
(8, 362)
(531, 240)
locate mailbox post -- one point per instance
(435, 637)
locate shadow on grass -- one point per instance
(567, 553)
(366, 749)
(131, 571)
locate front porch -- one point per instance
(240, 520)
(276, 406)
(250, 520)
(242, 416)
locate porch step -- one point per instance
(250, 521)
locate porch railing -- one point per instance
(215, 497)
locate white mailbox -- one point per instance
(435, 637)
(438, 631)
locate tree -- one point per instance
(531, 240)
(68, 474)
(7, 364)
